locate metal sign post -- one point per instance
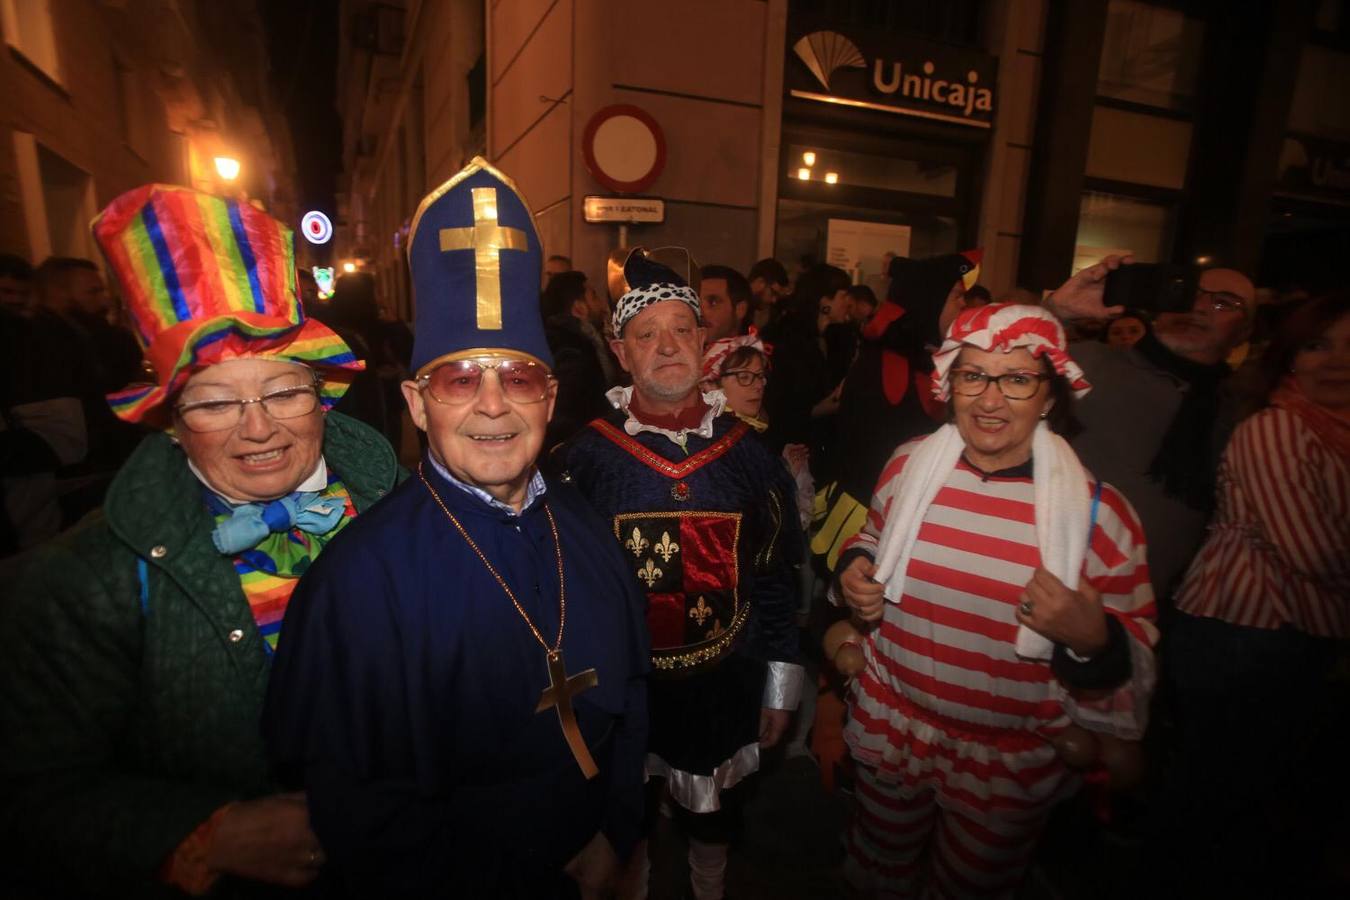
(625, 150)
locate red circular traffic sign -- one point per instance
(624, 147)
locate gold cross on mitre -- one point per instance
(559, 694)
(486, 239)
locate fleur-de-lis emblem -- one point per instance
(650, 573)
(716, 628)
(667, 548)
(700, 612)
(637, 543)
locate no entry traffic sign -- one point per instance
(624, 148)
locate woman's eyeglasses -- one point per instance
(1013, 385)
(746, 377)
(456, 383)
(221, 415)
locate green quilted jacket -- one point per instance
(132, 676)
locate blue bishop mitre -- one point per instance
(476, 261)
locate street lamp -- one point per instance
(227, 167)
(349, 267)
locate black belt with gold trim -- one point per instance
(686, 660)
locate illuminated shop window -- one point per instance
(1111, 223)
(867, 170)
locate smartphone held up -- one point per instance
(1152, 287)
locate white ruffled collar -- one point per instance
(716, 401)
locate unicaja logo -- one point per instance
(825, 51)
(965, 96)
(904, 81)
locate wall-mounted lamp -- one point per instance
(227, 167)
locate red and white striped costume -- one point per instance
(1278, 552)
(950, 727)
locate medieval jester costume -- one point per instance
(706, 519)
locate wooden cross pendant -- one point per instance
(559, 694)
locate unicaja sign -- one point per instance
(966, 96)
(897, 74)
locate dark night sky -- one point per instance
(302, 44)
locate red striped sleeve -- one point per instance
(1276, 554)
(1117, 566)
(1273, 457)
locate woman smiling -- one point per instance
(1011, 599)
(140, 643)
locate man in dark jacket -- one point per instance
(887, 396)
(574, 317)
(1160, 413)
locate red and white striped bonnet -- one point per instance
(1006, 326)
(719, 350)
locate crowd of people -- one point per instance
(1071, 547)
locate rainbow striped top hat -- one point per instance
(207, 280)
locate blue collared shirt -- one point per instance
(533, 491)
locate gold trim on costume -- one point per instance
(473, 352)
(765, 555)
(617, 282)
(485, 237)
(679, 658)
(476, 165)
(715, 647)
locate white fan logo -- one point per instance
(825, 51)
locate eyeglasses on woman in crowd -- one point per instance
(1013, 385)
(221, 414)
(746, 377)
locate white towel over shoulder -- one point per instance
(1062, 510)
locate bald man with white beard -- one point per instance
(1158, 416)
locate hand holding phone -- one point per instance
(1082, 296)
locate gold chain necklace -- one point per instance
(561, 688)
(557, 546)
